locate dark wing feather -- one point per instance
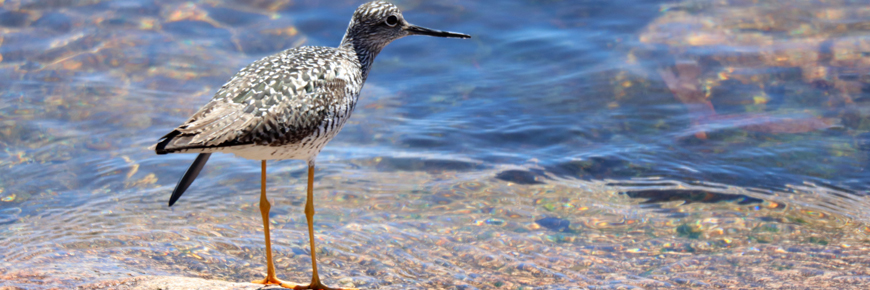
(189, 176)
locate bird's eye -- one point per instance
(392, 20)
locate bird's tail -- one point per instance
(189, 176)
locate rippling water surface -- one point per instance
(569, 144)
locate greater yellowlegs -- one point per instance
(288, 106)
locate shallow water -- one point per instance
(551, 150)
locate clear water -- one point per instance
(548, 151)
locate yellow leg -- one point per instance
(271, 279)
(309, 215)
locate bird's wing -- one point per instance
(273, 101)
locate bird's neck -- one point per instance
(364, 51)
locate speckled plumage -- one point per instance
(290, 104)
(283, 106)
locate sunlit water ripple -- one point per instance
(549, 150)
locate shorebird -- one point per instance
(288, 106)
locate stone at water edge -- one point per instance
(172, 283)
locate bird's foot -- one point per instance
(318, 286)
(276, 281)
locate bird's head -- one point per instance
(375, 24)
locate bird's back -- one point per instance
(283, 106)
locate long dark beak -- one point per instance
(417, 30)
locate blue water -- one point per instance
(552, 106)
